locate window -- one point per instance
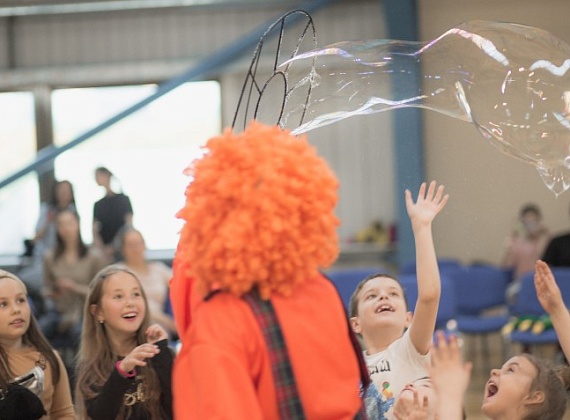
(146, 151)
(19, 201)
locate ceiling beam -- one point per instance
(40, 8)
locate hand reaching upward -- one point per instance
(547, 290)
(427, 205)
(551, 299)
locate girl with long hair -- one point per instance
(68, 268)
(26, 356)
(124, 365)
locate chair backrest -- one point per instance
(346, 280)
(447, 309)
(480, 287)
(527, 302)
(445, 265)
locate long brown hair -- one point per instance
(33, 337)
(96, 358)
(552, 380)
(59, 249)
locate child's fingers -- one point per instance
(443, 202)
(431, 191)
(155, 333)
(139, 362)
(438, 193)
(422, 191)
(416, 398)
(145, 351)
(437, 348)
(408, 198)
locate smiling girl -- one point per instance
(124, 365)
(26, 353)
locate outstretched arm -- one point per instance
(551, 300)
(450, 377)
(422, 213)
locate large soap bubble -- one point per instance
(510, 80)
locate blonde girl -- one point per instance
(124, 364)
(26, 353)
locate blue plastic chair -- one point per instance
(481, 288)
(527, 304)
(446, 266)
(346, 280)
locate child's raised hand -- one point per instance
(428, 204)
(449, 374)
(155, 333)
(547, 290)
(406, 409)
(138, 356)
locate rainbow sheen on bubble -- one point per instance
(512, 81)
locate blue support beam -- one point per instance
(214, 62)
(401, 19)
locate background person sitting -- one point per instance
(524, 246)
(68, 269)
(154, 276)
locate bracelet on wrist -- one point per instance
(124, 374)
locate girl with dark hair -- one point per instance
(27, 358)
(124, 364)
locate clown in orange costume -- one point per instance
(259, 217)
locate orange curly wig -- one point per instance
(259, 212)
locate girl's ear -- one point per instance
(535, 397)
(409, 318)
(93, 309)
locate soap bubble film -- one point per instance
(511, 81)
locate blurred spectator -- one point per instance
(526, 242)
(111, 213)
(68, 269)
(525, 245)
(154, 276)
(62, 198)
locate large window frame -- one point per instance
(149, 162)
